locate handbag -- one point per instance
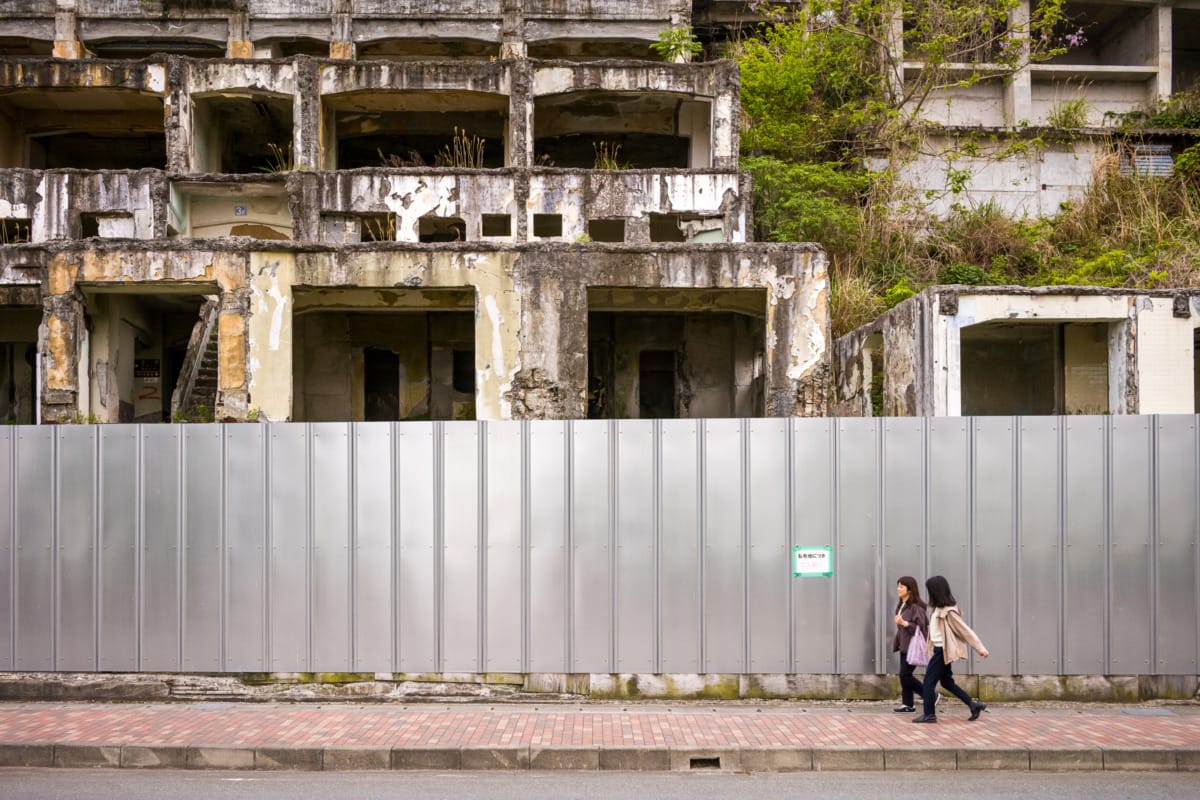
(917, 654)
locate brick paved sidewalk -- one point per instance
(772, 736)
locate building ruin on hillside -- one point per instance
(320, 210)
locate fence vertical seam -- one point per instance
(1017, 545)
(656, 555)
(702, 534)
(481, 544)
(1154, 542)
(614, 576)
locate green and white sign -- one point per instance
(812, 562)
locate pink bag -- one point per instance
(917, 654)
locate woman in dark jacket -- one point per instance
(910, 617)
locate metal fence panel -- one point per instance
(372, 557)
(1038, 612)
(637, 552)
(460, 588)
(1177, 570)
(287, 540)
(418, 609)
(75, 644)
(332, 627)
(159, 640)
(679, 499)
(814, 508)
(1085, 556)
(596, 546)
(856, 549)
(904, 524)
(244, 612)
(33, 603)
(120, 535)
(591, 556)
(550, 445)
(724, 551)
(768, 584)
(1130, 548)
(993, 560)
(204, 546)
(504, 563)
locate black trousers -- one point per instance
(937, 672)
(909, 685)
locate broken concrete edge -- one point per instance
(597, 758)
(551, 687)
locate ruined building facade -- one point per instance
(326, 210)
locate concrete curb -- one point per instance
(593, 758)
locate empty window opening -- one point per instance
(1185, 53)
(381, 385)
(1032, 368)
(683, 353)
(592, 49)
(414, 49)
(448, 129)
(1108, 35)
(14, 230)
(248, 133)
(687, 228)
(145, 351)
(547, 226)
(98, 129)
(377, 227)
(432, 230)
(298, 46)
(143, 47)
(464, 371)
(379, 355)
(106, 226)
(606, 230)
(665, 228)
(630, 130)
(18, 364)
(25, 46)
(656, 385)
(497, 225)
(258, 209)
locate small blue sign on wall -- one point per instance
(812, 562)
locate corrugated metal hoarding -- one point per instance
(633, 546)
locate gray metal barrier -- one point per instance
(622, 547)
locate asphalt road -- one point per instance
(104, 784)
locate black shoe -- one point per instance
(926, 718)
(904, 709)
(977, 708)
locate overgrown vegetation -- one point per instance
(831, 120)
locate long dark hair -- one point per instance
(914, 593)
(939, 592)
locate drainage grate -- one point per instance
(706, 763)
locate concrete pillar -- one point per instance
(61, 338)
(894, 12)
(239, 44)
(518, 149)
(1018, 91)
(233, 386)
(1161, 49)
(66, 40)
(306, 115)
(512, 30)
(270, 382)
(726, 117)
(341, 45)
(551, 379)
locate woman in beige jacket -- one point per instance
(949, 637)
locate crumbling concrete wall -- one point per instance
(1148, 338)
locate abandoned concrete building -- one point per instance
(331, 210)
(327, 210)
